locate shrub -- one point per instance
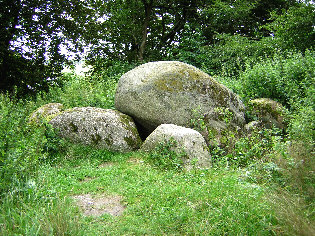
(226, 57)
(285, 78)
(232, 149)
(81, 91)
(229, 55)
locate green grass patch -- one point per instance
(157, 202)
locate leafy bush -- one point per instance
(191, 48)
(285, 78)
(95, 90)
(227, 57)
(290, 80)
(232, 149)
(81, 91)
(104, 69)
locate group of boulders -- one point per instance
(156, 102)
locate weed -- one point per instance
(166, 156)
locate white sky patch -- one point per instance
(80, 69)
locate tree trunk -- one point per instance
(148, 10)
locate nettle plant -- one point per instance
(214, 137)
(227, 147)
(166, 156)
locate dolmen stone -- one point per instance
(170, 92)
(187, 140)
(101, 128)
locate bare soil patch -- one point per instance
(99, 205)
(106, 164)
(86, 179)
(135, 161)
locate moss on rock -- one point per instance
(269, 112)
(46, 113)
(166, 92)
(102, 128)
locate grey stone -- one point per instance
(169, 92)
(188, 140)
(102, 128)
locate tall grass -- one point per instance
(29, 216)
(21, 145)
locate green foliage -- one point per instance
(166, 156)
(82, 91)
(104, 69)
(230, 149)
(302, 126)
(246, 150)
(243, 17)
(32, 36)
(294, 28)
(21, 145)
(198, 121)
(259, 145)
(224, 38)
(139, 30)
(228, 56)
(24, 76)
(229, 17)
(191, 48)
(157, 202)
(286, 78)
(54, 145)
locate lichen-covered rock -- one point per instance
(270, 113)
(46, 112)
(169, 92)
(188, 140)
(102, 128)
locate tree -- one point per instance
(32, 34)
(294, 28)
(242, 17)
(139, 29)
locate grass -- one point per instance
(157, 202)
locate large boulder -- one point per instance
(171, 92)
(187, 140)
(102, 128)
